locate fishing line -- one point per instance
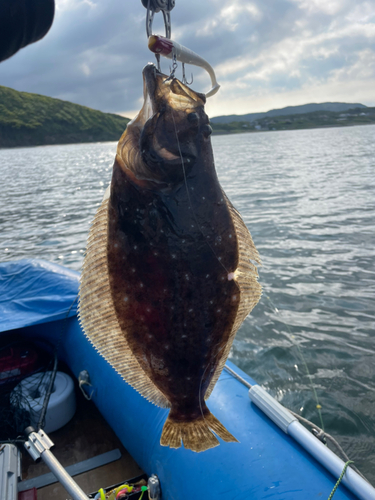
(200, 383)
(191, 206)
(209, 245)
(317, 431)
(292, 337)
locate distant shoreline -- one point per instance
(57, 144)
(291, 129)
(238, 132)
(31, 120)
(299, 121)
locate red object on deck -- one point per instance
(28, 494)
(16, 362)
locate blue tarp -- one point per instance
(34, 291)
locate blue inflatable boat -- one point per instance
(274, 458)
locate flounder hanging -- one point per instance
(169, 274)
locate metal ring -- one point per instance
(155, 6)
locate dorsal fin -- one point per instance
(98, 317)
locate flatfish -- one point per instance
(170, 269)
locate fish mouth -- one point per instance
(160, 91)
(160, 145)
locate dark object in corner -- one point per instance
(23, 22)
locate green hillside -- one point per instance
(316, 119)
(337, 107)
(33, 120)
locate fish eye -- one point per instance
(206, 130)
(193, 118)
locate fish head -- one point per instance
(162, 143)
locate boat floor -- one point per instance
(85, 436)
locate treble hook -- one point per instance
(173, 50)
(184, 81)
(174, 67)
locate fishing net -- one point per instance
(27, 372)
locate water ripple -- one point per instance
(308, 198)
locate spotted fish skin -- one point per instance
(172, 264)
(170, 290)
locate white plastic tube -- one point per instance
(353, 481)
(290, 425)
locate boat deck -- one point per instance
(85, 436)
(265, 463)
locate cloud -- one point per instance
(323, 51)
(330, 7)
(266, 53)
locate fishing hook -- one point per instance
(184, 81)
(174, 67)
(173, 50)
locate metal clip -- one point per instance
(84, 379)
(155, 6)
(153, 485)
(319, 434)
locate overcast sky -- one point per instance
(266, 53)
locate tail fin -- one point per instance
(196, 435)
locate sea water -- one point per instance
(308, 198)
